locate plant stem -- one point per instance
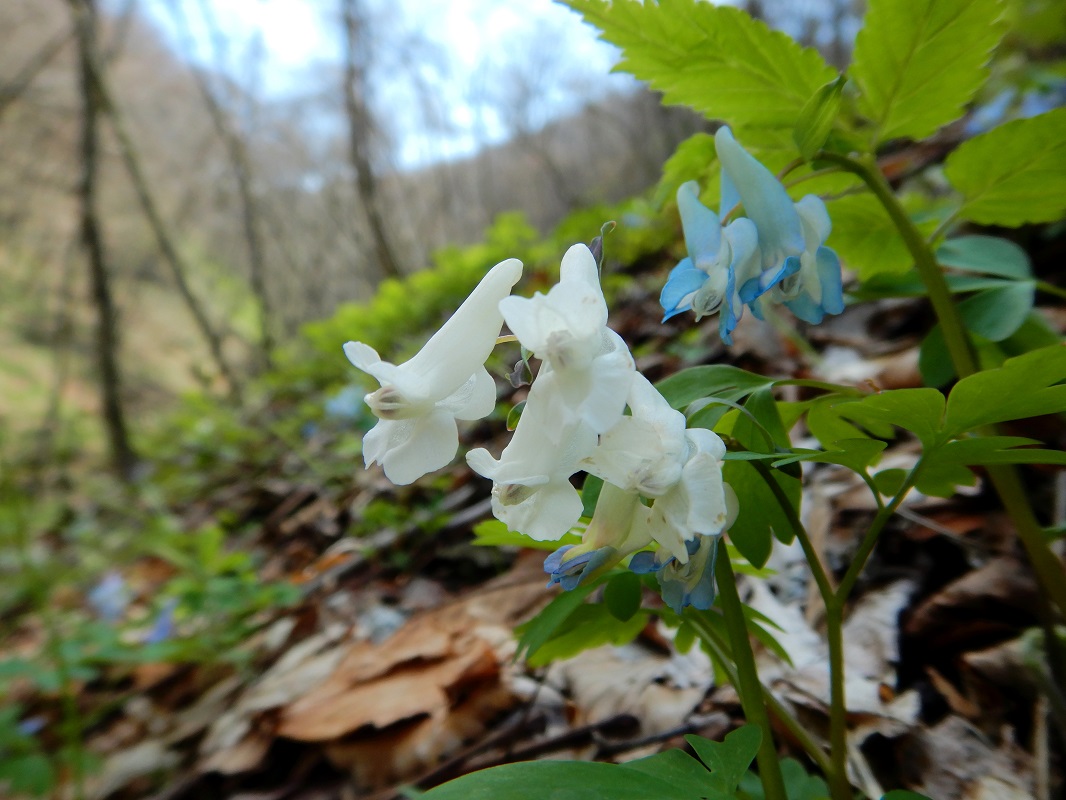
(1004, 477)
(748, 685)
(720, 653)
(836, 771)
(958, 344)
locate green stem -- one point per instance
(958, 344)
(1050, 288)
(748, 684)
(1004, 478)
(720, 652)
(837, 771)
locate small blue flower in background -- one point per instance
(163, 626)
(776, 252)
(110, 597)
(682, 585)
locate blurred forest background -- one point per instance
(167, 222)
(190, 229)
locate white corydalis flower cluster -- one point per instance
(574, 419)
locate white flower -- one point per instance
(644, 452)
(532, 492)
(420, 400)
(700, 503)
(567, 329)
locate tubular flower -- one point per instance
(718, 263)
(420, 400)
(644, 452)
(683, 584)
(795, 267)
(589, 364)
(618, 528)
(531, 489)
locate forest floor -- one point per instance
(395, 667)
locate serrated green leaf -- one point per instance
(622, 595)
(1013, 174)
(557, 780)
(728, 759)
(817, 117)
(988, 255)
(715, 59)
(799, 784)
(865, 238)
(918, 63)
(1025, 386)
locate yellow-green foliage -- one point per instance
(396, 320)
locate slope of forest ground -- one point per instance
(264, 618)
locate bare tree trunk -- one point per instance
(122, 453)
(240, 163)
(106, 104)
(359, 139)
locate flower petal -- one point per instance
(701, 226)
(680, 287)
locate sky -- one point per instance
(464, 51)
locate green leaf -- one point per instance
(31, 773)
(760, 516)
(493, 533)
(590, 495)
(558, 780)
(1013, 174)
(920, 411)
(996, 450)
(817, 117)
(918, 63)
(691, 161)
(679, 771)
(540, 629)
(716, 380)
(865, 238)
(890, 481)
(903, 794)
(716, 59)
(855, 454)
(590, 625)
(1023, 387)
(798, 783)
(729, 759)
(622, 595)
(988, 255)
(910, 285)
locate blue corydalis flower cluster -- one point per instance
(775, 253)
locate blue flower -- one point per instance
(718, 262)
(110, 597)
(689, 584)
(795, 269)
